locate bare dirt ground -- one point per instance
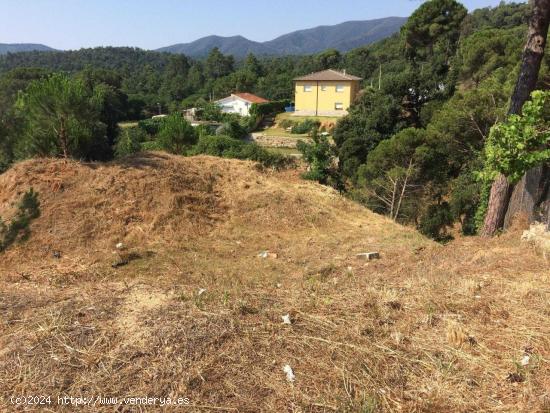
(196, 313)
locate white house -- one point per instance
(239, 103)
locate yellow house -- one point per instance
(326, 93)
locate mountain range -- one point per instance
(23, 47)
(343, 37)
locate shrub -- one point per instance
(129, 141)
(268, 108)
(305, 126)
(320, 156)
(27, 210)
(233, 129)
(151, 126)
(435, 220)
(286, 123)
(176, 135)
(227, 147)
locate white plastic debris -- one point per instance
(525, 360)
(201, 291)
(289, 373)
(279, 285)
(286, 319)
(119, 246)
(263, 254)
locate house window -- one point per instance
(338, 106)
(323, 88)
(307, 88)
(339, 88)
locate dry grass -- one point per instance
(424, 329)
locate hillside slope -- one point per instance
(197, 313)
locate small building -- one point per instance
(326, 93)
(239, 103)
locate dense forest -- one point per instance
(413, 146)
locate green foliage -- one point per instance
(208, 111)
(305, 126)
(486, 51)
(227, 147)
(521, 142)
(435, 220)
(151, 126)
(269, 108)
(61, 118)
(392, 175)
(319, 155)
(465, 197)
(129, 141)
(28, 209)
(176, 135)
(217, 65)
(435, 24)
(233, 129)
(373, 118)
(151, 146)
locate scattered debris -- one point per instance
(286, 319)
(289, 373)
(120, 263)
(525, 360)
(267, 254)
(125, 258)
(201, 291)
(515, 378)
(368, 256)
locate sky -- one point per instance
(150, 24)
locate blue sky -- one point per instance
(149, 24)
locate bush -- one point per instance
(320, 156)
(233, 129)
(227, 147)
(435, 221)
(286, 123)
(305, 126)
(176, 135)
(151, 126)
(27, 210)
(268, 108)
(129, 141)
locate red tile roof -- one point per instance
(251, 98)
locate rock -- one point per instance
(119, 246)
(56, 254)
(286, 319)
(368, 256)
(201, 291)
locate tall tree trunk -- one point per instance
(533, 53)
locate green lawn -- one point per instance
(283, 151)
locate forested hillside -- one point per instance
(431, 95)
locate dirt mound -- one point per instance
(154, 201)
